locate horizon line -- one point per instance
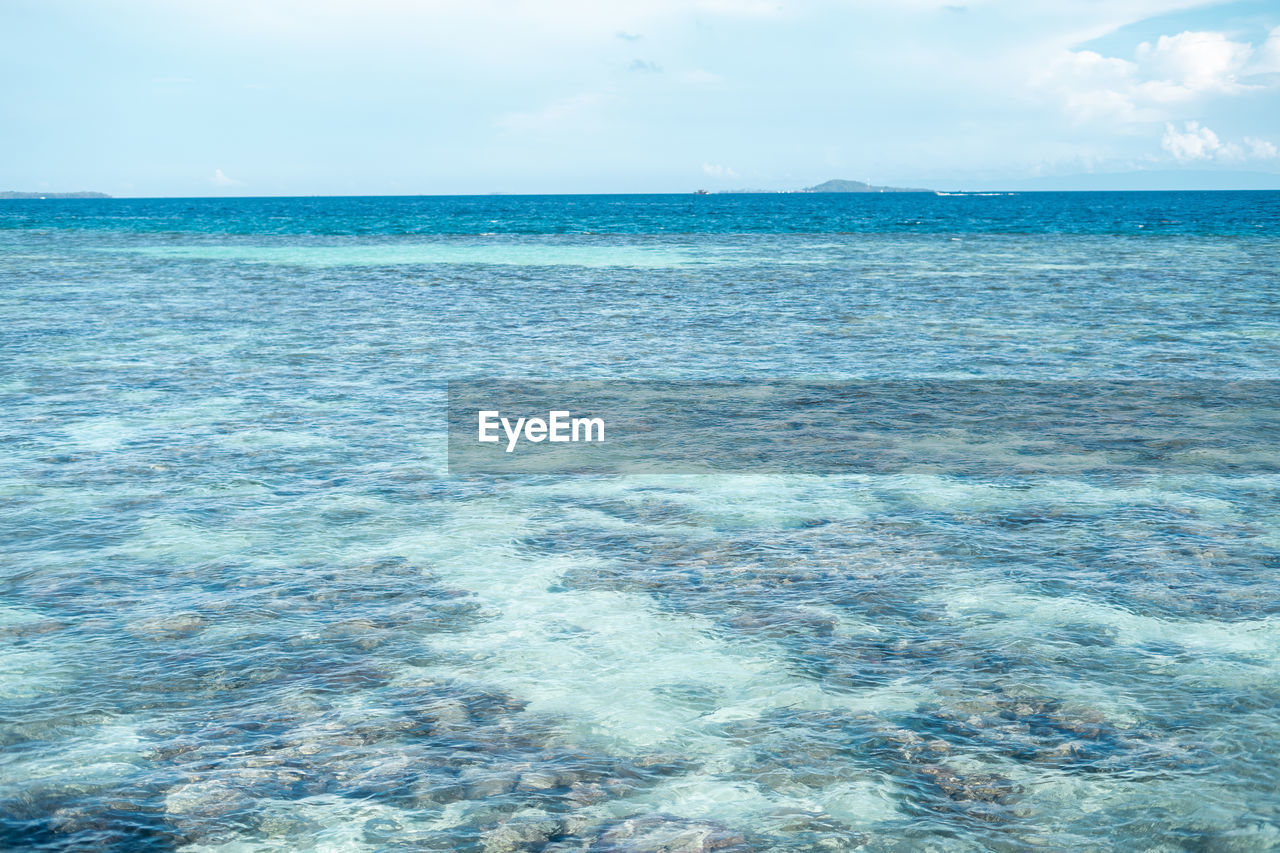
(69, 195)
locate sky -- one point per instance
(354, 97)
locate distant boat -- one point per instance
(701, 192)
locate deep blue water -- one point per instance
(1237, 213)
(244, 606)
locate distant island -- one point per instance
(838, 186)
(82, 194)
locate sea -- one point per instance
(247, 605)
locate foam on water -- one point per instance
(1256, 638)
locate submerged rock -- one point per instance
(665, 834)
(524, 830)
(170, 627)
(207, 799)
(538, 780)
(978, 787)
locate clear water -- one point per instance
(244, 607)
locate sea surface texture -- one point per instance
(245, 606)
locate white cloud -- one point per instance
(1193, 62)
(1192, 143)
(1174, 70)
(713, 170)
(1092, 87)
(1261, 149)
(220, 179)
(1197, 142)
(1266, 60)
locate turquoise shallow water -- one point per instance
(244, 606)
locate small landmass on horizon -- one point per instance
(838, 186)
(1170, 180)
(81, 194)
(841, 186)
